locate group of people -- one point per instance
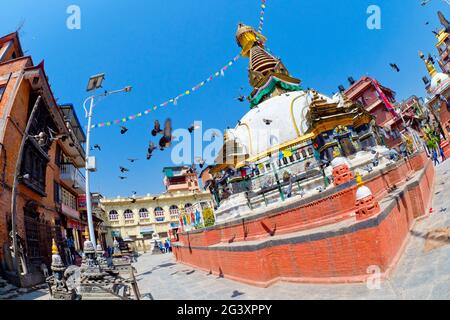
(166, 247)
(435, 156)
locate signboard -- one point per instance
(72, 224)
(82, 205)
(115, 233)
(69, 212)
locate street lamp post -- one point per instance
(94, 84)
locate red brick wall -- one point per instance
(339, 258)
(14, 127)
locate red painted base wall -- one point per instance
(337, 257)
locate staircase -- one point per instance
(8, 291)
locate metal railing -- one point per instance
(72, 174)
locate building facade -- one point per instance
(135, 219)
(438, 86)
(379, 101)
(49, 176)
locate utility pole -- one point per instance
(94, 83)
(15, 184)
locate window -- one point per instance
(128, 214)
(2, 91)
(68, 199)
(35, 165)
(310, 151)
(113, 215)
(57, 192)
(174, 211)
(143, 213)
(58, 155)
(159, 214)
(189, 208)
(304, 154)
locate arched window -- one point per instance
(143, 213)
(159, 214)
(113, 215)
(189, 208)
(128, 214)
(174, 211)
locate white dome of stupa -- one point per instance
(438, 81)
(363, 192)
(273, 122)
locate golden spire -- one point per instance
(246, 37)
(430, 67)
(54, 247)
(359, 180)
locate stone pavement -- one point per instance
(418, 275)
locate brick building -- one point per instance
(50, 179)
(367, 92)
(443, 47)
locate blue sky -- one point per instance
(162, 48)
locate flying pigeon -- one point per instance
(122, 178)
(132, 160)
(156, 128)
(96, 146)
(200, 162)
(193, 127)
(122, 169)
(394, 67)
(123, 130)
(430, 59)
(165, 141)
(267, 122)
(150, 150)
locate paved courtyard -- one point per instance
(419, 275)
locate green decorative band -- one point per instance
(270, 87)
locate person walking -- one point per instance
(71, 246)
(170, 245)
(441, 151)
(166, 246)
(435, 157)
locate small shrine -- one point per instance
(96, 279)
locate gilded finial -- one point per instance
(86, 233)
(430, 67)
(246, 38)
(54, 247)
(359, 180)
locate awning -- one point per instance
(147, 230)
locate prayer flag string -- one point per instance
(174, 101)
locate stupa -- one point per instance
(279, 218)
(288, 130)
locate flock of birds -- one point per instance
(164, 143)
(443, 21)
(166, 132)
